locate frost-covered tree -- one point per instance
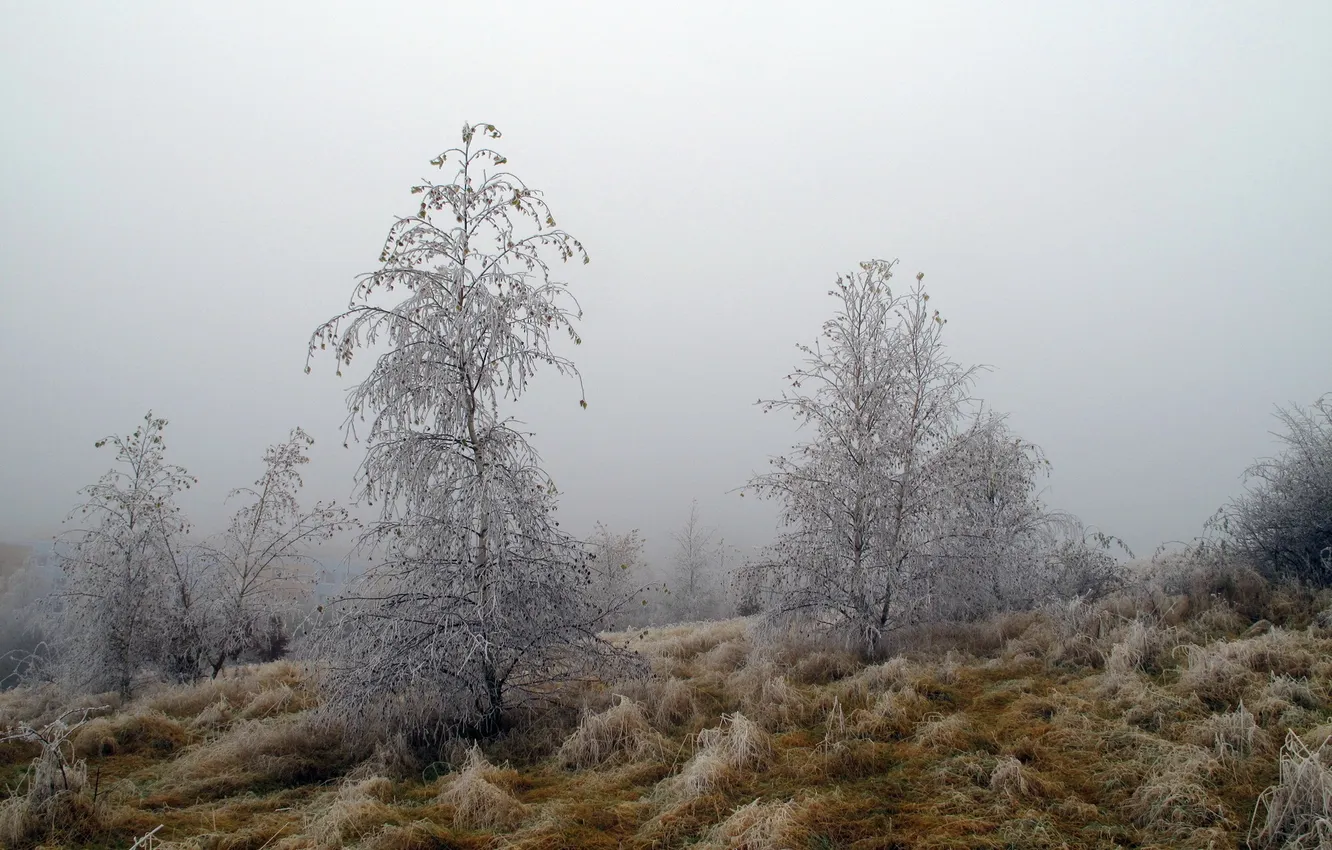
(693, 585)
(478, 599)
(1283, 522)
(255, 574)
(618, 569)
(995, 534)
(120, 604)
(862, 499)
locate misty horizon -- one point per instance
(1124, 210)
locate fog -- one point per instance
(1124, 208)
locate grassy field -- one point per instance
(1128, 724)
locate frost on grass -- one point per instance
(54, 794)
(952, 733)
(1231, 736)
(1175, 798)
(1008, 778)
(738, 744)
(126, 733)
(1296, 813)
(1216, 673)
(286, 749)
(358, 809)
(478, 801)
(621, 732)
(671, 700)
(760, 825)
(892, 715)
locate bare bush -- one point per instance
(1283, 523)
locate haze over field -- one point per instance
(1124, 208)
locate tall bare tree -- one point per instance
(477, 600)
(617, 572)
(694, 586)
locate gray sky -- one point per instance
(1125, 208)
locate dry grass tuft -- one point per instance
(1216, 673)
(129, 733)
(760, 826)
(477, 801)
(254, 752)
(893, 715)
(1140, 647)
(1279, 652)
(770, 698)
(269, 702)
(358, 810)
(726, 657)
(1295, 691)
(890, 675)
(620, 733)
(952, 733)
(1174, 799)
(1008, 778)
(391, 758)
(1298, 809)
(723, 753)
(1233, 735)
(672, 701)
(822, 667)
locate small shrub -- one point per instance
(57, 797)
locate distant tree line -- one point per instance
(138, 595)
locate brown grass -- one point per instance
(760, 825)
(130, 733)
(261, 753)
(478, 799)
(1148, 720)
(722, 754)
(620, 733)
(358, 809)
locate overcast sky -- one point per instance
(1124, 208)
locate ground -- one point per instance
(1124, 724)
